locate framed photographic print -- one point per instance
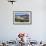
(22, 17)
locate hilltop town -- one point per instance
(22, 18)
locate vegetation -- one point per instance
(19, 20)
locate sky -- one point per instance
(22, 13)
(19, 14)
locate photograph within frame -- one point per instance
(22, 17)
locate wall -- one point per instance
(9, 31)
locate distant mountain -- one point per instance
(26, 16)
